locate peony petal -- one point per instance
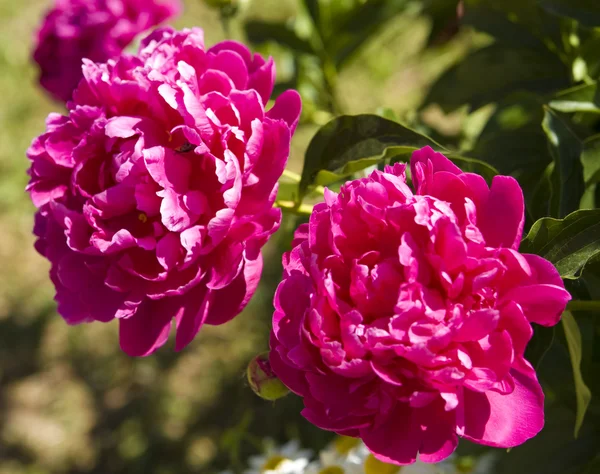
(291, 378)
(287, 107)
(425, 162)
(228, 302)
(397, 438)
(476, 325)
(439, 438)
(148, 329)
(122, 127)
(189, 321)
(502, 217)
(541, 304)
(169, 251)
(505, 421)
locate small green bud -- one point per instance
(263, 380)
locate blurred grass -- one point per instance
(70, 401)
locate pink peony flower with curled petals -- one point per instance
(403, 316)
(156, 192)
(93, 29)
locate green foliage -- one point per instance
(489, 74)
(566, 149)
(349, 144)
(586, 12)
(323, 40)
(574, 343)
(568, 243)
(263, 31)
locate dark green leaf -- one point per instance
(553, 450)
(312, 6)
(325, 177)
(590, 159)
(590, 53)
(539, 345)
(543, 201)
(586, 12)
(583, 394)
(568, 243)
(492, 72)
(566, 149)
(513, 142)
(351, 138)
(359, 26)
(525, 13)
(584, 98)
(472, 165)
(261, 32)
(489, 19)
(444, 19)
(593, 467)
(512, 139)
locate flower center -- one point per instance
(332, 470)
(344, 444)
(375, 466)
(273, 463)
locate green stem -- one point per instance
(293, 208)
(225, 17)
(292, 175)
(579, 305)
(297, 178)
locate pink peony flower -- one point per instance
(93, 29)
(403, 317)
(155, 193)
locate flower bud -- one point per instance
(263, 380)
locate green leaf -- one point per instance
(489, 19)
(582, 391)
(566, 149)
(259, 32)
(359, 26)
(352, 138)
(473, 165)
(312, 6)
(590, 53)
(489, 74)
(540, 203)
(568, 243)
(325, 177)
(583, 98)
(444, 19)
(512, 139)
(539, 345)
(590, 159)
(586, 12)
(525, 13)
(514, 143)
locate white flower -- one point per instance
(483, 464)
(286, 459)
(343, 456)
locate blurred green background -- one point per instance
(70, 401)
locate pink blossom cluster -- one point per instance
(97, 30)
(155, 192)
(403, 316)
